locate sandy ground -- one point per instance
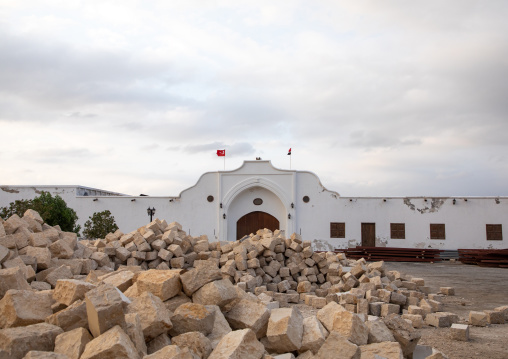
(476, 288)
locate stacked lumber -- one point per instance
(392, 254)
(485, 257)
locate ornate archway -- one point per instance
(253, 221)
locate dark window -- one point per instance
(494, 232)
(258, 201)
(209, 198)
(337, 230)
(306, 199)
(437, 231)
(398, 230)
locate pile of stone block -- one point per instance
(159, 293)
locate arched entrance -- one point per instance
(253, 221)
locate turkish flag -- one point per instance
(221, 153)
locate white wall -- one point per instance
(465, 220)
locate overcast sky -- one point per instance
(378, 98)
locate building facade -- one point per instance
(226, 205)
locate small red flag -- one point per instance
(289, 152)
(221, 153)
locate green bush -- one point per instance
(99, 225)
(53, 210)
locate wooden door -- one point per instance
(368, 234)
(251, 222)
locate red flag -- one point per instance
(221, 153)
(289, 152)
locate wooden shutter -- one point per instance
(398, 230)
(437, 231)
(494, 232)
(337, 230)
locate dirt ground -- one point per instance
(476, 288)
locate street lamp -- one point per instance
(151, 212)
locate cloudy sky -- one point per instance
(378, 98)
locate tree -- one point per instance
(99, 225)
(53, 210)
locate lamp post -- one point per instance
(151, 212)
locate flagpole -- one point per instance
(290, 161)
(224, 160)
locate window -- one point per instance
(337, 230)
(398, 230)
(494, 232)
(437, 231)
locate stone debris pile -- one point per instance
(158, 292)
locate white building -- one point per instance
(225, 205)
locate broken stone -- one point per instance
(219, 292)
(72, 343)
(379, 332)
(16, 342)
(196, 342)
(351, 327)
(314, 335)
(238, 344)
(285, 329)
(12, 278)
(220, 326)
(192, 317)
(203, 273)
(104, 308)
(71, 317)
(62, 272)
(164, 284)
(153, 315)
(403, 332)
(134, 330)
(326, 314)
(67, 291)
(388, 350)
(24, 307)
(249, 314)
(60, 249)
(42, 255)
(114, 343)
(336, 343)
(122, 280)
(36, 354)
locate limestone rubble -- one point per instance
(158, 292)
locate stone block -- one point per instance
(37, 354)
(24, 307)
(192, 317)
(36, 285)
(61, 249)
(219, 292)
(336, 343)
(285, 329)
(13, 223)
(326, 314)
(158, 343)
(318, 302)
(67, 291)
(114, 343)
(403, 332)
(42, 254)
(104, 309)
(504, 310)
(12, 278)
(478, 319)
(351, 327)
(375, 308)
(30, 213)
(171, 351)
(72, 343)
(220, 326)
(176, 301)
(388, 350)
(238, 344)
(4, 253)
(397, 298)
(379, 332)
(155, 318)
(387, 309)
(249, 314)
(459, 332)
(71, 317)
(447, 290)
(62, 272)
(438, 320)
(17, 342)
(164, 284)
(135, 332)
(120, 279)
(495, 317)
(314, 335)
(416, 319)
(196, 342)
